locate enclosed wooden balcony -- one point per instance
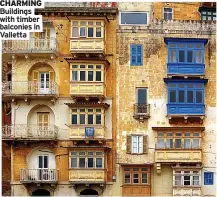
(141, 111)
(187, 191)
(33, 46)
(29, 132)
(87, 175)
(93, 132)
(180, 155)
(14, 90)
(39, 175)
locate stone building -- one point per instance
(114, 99)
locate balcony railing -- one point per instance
(29, 88)
(23, 131)
(33, 45)
(187, 191)
(141, 111)
(38, 175)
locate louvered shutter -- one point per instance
(129, 144)
(139, 55)
(145, 144)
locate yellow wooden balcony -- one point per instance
(187, 191)
(83, 45)
(78, 132)
(87, 89)
(178, 155)
(87, 175)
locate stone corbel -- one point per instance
(13, 56)
(53, 101)
(27, 101)
(158, 166)
(26, 56)
(186, 119)
(14, 101)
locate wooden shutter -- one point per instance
(51, 76)
(129, 144)
(36, 34)
(46, 119)
(35, 75)
(145, 144)
(40, 119)
(43, 119)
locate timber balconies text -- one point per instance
(29, 132)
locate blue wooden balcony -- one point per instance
(186, 109)
(185, 69)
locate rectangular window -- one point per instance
(82, 76)
(141, 95)
(137, 144)
(168, 13)
(74, 119)
(208, 178)
(127, 178)
(178, 180)
(136, 52)
(133, 18)
(90, 75)
(187, 178)
(160, 143)
(208, 15)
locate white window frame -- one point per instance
(134, 24)
(139, 144)
(168, 12)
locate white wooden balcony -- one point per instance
(38, 175)
(87, 175)
(29, 89)
(29, 132)
(33, 46)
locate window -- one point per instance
(87, 29)
(136, 175)
(86, 159)
(186, 178)
(93, 73)
(88, 116)
(137, 144)
(186, 93)
(186, 53)
(178, 140)
(209, 15)
(133, 18)
(136, 55)
(168, 13)
(208, 178)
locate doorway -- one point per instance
(44, 82)
(41, 192)
(89, 192)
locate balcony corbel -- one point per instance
(27, 101)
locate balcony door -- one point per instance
(142, 100)
(43, 124)
(44, 82)
(43, 167)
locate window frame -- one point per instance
(134, 24)
(139, 146)
(167, 13)
(204, 12)
(210, 180)
(131, 54)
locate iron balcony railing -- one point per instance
(141, 110)
(32, 45)
(39, 175)
(24, 131)
(30, 87)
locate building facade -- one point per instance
(113, 99)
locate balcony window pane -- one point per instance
(169, 143)
(190, 56)
(98, 118)
(196, 180)
(136, 178)
(178, 143)
(196, 143)
(90, 163)
(75, 32)
(178, 180)
(196, 134)
(199, 46)
(81, 162)
(187, 180)
(181, 56)
(199, 95)
(81, 153)
(187, 134)
(90, 75)
(74, 75)
(160, 143)
(127, 178)
(73, 162)
(181, 45)
(82, 76)
(90, 66)
(178, 134)
(199, 56)
(190, 46)
(181, 96)
(172, 96)
(172, 56)
(169, 134)
(82, 66)
(187, 143)
(90, 32)
(189, 96)
(83, 32)
(45, 162)
(82, 118)
(98, 162)
(144, 178)
(98, 76)
(160, 134)
(90, 118)
(98, 32)
(74, 119)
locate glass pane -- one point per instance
(178, 143)
(74, 75)
(136, 178)
(178, 180)
(160, 134)
(74, 66)
(82, 110)
(181, 45)
(187, 134)
(90, 119)
(90, 66)
(74, 153)
(169, 134)
(127, 178)
(190, 86)
(74, 119)
(81, 162)
(98, 162)
(187, 143)
(144, 178)
(75, 32)
(190, 45)
(199, 95)
(82, 118)
(40, 165)
(178, 134)
(83, 22)
(167, 9)
(160, 143)
(90, 75)
(82, 31)
(73, 162)
(195, 180)
(196, 134)
(181, 96)
(98, 153)
(98, 23)
(142, 96)
(134, 18)
(189, 96)
(90, 163)
(98, 76)
(199, 56)
(90, 23)
(75, 23)
(169, 143)
(90, 32)
(172, 56)
(199, 46)
(172, 45)
(172, 96)
(190, 56)
(181, 56)
(82, 75)
(98, 118)
(196, 143)
(82, 66)
(199, 86)
(45, 162)
(98, 32)
(187, 180)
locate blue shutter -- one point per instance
(208, 178)
(139, 55)
(135, 55)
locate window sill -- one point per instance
(137, 153)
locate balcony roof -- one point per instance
(169, 80)
(88, 104)
(197, 40)
(178, 128)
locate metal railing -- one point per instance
(24, 131)
(29, 87)
(31, 45)
(39, 175)
(141, 109)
